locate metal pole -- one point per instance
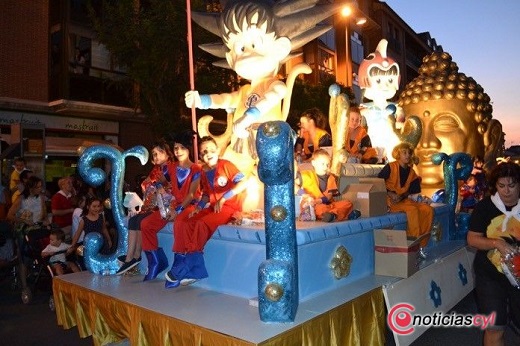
(192, 79)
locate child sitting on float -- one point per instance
(222, 185)
(358, 143)
(313, 135)
(185, 182)
(469, 193)
(162, 157)
(319, 188)
(403, 188)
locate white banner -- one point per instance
(69, 124)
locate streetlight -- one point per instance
(342, 41)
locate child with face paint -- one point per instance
(185, 181)
(222, 184)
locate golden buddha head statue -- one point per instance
(456, 116)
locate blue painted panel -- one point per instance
(234, 253)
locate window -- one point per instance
(356, 47)
(80, 54)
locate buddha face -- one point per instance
(448, 127)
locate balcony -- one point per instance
(92, 91)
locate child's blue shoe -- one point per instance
(354, 214)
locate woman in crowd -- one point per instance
(312, 133)
(494, 230)
(28, 211)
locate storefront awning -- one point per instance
(56, 146)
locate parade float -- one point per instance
(278, 280)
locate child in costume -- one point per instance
(313, 133)
(358, 143)
(320, 187)
(162, 157)
(470, 194)
(222, 184)
(185, 177)
(403, 188)
(480, 176)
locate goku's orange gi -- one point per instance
(311, 186)
(419, 215)
(320, 139)
(362, 140)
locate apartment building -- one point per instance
(356, 34)
(59, 88)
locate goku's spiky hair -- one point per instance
(298, 20)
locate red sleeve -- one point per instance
(153, 176)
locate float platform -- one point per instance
(220, 310)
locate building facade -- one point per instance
(340, 51)
(60, 89)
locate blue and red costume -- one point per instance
(192, 233)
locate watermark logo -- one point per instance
(402, 320)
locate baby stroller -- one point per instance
(32, 240)
(36, 239)
(8, 257)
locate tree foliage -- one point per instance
(306, 95)
(149, 39)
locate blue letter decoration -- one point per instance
(456, 167)
(94, 261)
(278, 274)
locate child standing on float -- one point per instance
(222, 184)
(184, 176)
(162, 157)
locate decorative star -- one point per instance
(435, 294)
(463, 274)
(340, 263)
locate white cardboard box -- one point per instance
(395, 254)
(368, 196)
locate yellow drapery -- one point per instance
(357, 322)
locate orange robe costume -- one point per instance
(355, 148)
(315, 141)
(311, 186)
(419, 215)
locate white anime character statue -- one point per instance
(379, 79)
(258, 37)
